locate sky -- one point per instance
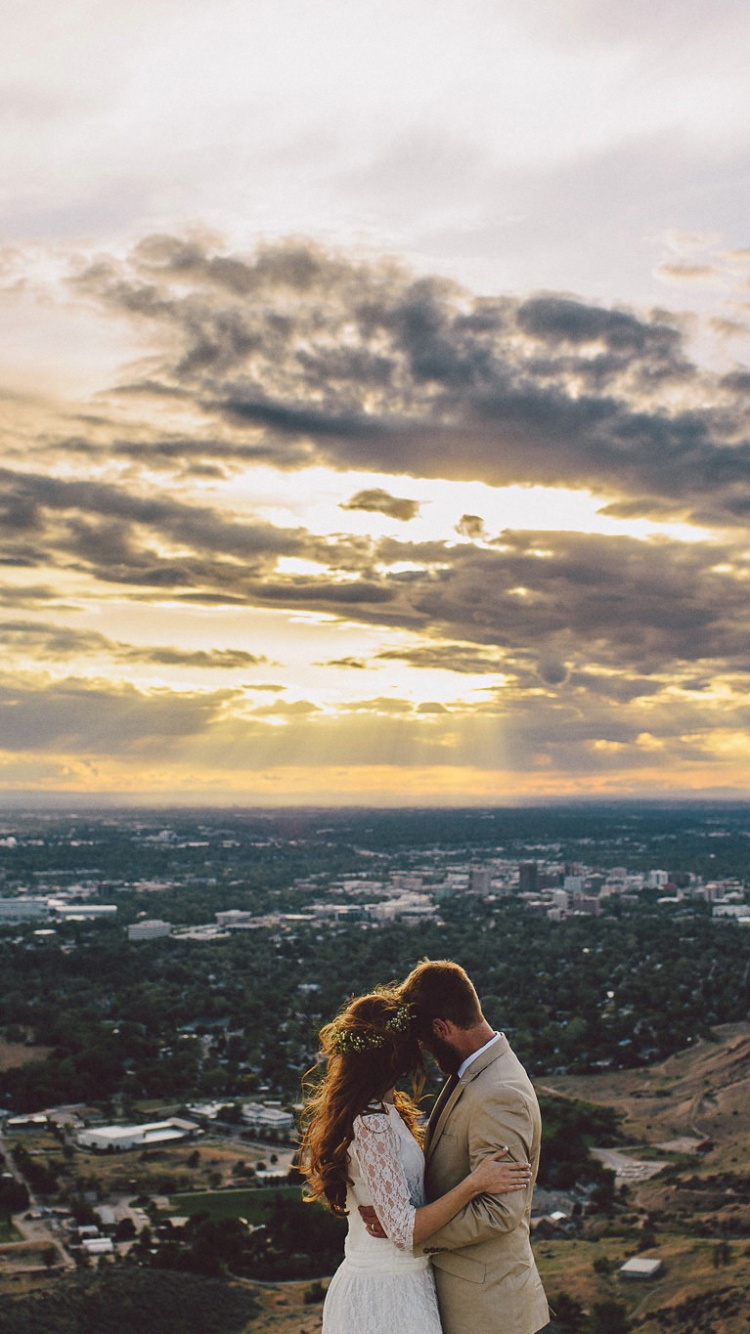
(374, 393)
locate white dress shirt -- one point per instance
(463, 1067)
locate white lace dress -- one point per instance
(382, 1287)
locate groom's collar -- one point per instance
(479, 1060)
(463, 1067)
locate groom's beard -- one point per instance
(446, 1056)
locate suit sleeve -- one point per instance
(504, 1118)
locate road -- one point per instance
(40, 1231)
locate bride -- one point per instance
(361, 1146)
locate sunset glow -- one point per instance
(375, 402)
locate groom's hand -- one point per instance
(371, 1221)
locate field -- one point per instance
(15, 1054)
(285, 1311)
(22, 1256)
(157, 1171)
(689, 1275)
(247, 1204)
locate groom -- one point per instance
(486, 1277)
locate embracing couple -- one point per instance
(438, 1233)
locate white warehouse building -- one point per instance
(114, 1139)
(150, 929)
(262, 1119)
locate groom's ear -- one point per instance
(440, 1029)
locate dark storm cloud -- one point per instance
(377, 501)
(324, 593)
(314, 357)
(556, 320)
(552, 671)
(619, 688)
(616, 599)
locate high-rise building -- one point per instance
(528, 877)
(480, 880)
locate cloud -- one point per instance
(510, 730)
(55, 642)
(470, 525)
(300, 356)
(588, 650)
(377, 501)
(83, 716)
(29, 596)
(119, 535)
(283, 708)
(563, 597)
(552, 671)
(452, 657)
(687, 273)
(579, 598)
(356, 664)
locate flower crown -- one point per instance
(369, 1039)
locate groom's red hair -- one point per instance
(441, 989)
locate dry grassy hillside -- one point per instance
(699, 1093)
(690, 1111)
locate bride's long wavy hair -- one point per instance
(364, 1052)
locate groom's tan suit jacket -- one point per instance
(486, 1276)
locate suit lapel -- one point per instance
(446, 1089)
(449, 1096)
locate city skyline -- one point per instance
(375, 402)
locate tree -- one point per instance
(14, 1197)
(607, 1317)
(315, 1293)
(49, 1257)
(568, 1313)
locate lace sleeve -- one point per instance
(377, 1149)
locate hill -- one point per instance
(697, 1094)
(136, 1301)
(688, 1112)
